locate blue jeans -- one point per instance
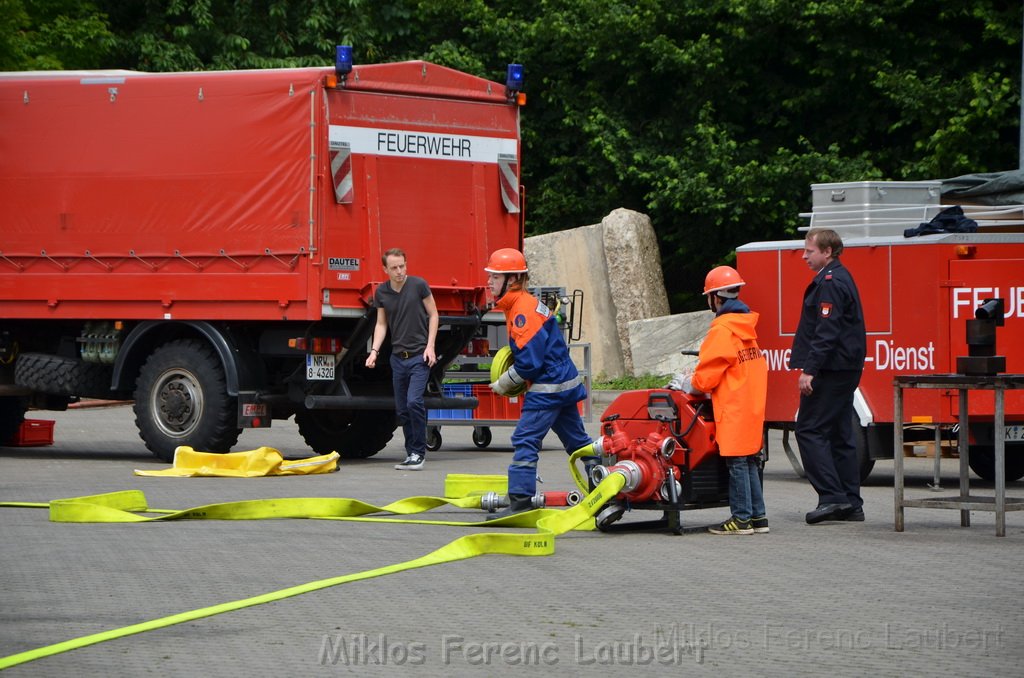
(533, 425)
(409, 380)
(745, 496)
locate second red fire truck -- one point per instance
(918, 293)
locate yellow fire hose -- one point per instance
(124, 507)
(500, 364)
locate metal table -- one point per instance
(965, 502)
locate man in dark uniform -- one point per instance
(829, 346)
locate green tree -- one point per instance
(711, 116)
(52, 34)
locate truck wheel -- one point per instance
(982, 461)
(181, 398)
(864, 461)
(12, 413)
(58, 375)
(353, 434)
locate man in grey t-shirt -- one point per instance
(406, 310)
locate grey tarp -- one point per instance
(991, 188)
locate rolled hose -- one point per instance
(502, 363)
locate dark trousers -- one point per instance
(825, 435)
(409, 379)
(529, 435)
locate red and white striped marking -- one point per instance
(341, 171)
(508, 177)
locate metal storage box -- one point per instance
(859, 208)
(869, 195)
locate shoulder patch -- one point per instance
(828, 276)
(826, 309)
(519, 320)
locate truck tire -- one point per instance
(181, 398)
(864, 461)
(12, 413)
(982, 461)
(58, 375)
(352, 434)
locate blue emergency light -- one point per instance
(514, 78)
(343, 60)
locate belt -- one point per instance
(405, 355)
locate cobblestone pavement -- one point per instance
(842, 599)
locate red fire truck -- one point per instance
(209, 243)
(917, 293)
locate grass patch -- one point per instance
(629, 383)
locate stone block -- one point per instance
(655, 343)
(617, 266)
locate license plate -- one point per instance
(319, 366)
(1013, 433)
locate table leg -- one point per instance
(965, 451)
(1000, 435)
(897, 455)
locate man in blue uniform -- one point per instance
(829, 348)
(541, 360)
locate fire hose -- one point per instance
(632, 469)
(125, 507)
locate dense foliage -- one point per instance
(711, 116)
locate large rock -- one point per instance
(617, 266)
(574, 260)
(634, 272)
(656, 342)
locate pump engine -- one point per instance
(663, 442)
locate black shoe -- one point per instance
(828, 512)
(854, 515)
(732, 526)
(414, 462)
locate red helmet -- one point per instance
(723, 278)
(506, 260)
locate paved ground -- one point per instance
(839, 599)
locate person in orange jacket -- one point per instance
(733, 370)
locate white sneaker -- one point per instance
(414, 462)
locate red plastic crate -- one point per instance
(485, 401)
(495, 407)
(32, 433)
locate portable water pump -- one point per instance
(663, 442)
